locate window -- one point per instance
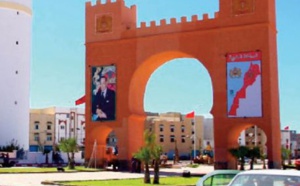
(193, 122)
(172, 128)
(183, 139)
(49, 124)
(222, 179)
(193, 142)
(36, 125)
(161, 127)
(62, 127)
(182, 128)
(72, 129)
(193, 132)
(49, 137)
(172, 138)
(36, 136)
(161, 138)
(61, 139)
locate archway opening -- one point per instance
(178, 87)
(254, 137)
(112, 141)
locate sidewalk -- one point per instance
(36, 179)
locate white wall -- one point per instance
(27, 3)
(15, 58)
(39, 158)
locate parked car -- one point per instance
(267, 178)
(217, 177)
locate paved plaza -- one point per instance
(35, 179)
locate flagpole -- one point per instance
(194, 137)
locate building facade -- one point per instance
(173, 130)
(208, 132)
(255, 136)
(289, 141)
(15, 58)
(51, 125)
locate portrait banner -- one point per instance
(103, 93)
(244, 95)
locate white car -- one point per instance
(217, 177)
(270, 177)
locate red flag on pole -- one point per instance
(287, 128)
(190, 115)
(80, 100)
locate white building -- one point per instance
(15, 58)
(289, 140)
(70, 123)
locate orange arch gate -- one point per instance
(239, 42)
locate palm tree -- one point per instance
(156, 153)
(46, 153)
(239, 153)
(144, 155)
(252, 154)
(263, 158)
(70, 147)
(150, 151)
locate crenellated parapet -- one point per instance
(107, 3)
(175, 22)
(114, 20)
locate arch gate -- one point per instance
(237, 47)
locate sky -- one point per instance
(58, 58)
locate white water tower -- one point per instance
(15, 58)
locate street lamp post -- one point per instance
(176, 154)
(194, 136)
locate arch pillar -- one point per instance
(273, 149)
(224, 130)
(136, 127)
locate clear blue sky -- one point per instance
(57, 76)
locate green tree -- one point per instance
(263, 158)
(46, 153)
(150, 151)
(144, 156)
(156, 152)
(240, 153)
(70, 147)
(252, 154)
(285, 154)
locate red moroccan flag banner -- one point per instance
(80, 100)
(190, 115)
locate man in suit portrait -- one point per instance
(103, 106)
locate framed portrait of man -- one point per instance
(103, 93)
